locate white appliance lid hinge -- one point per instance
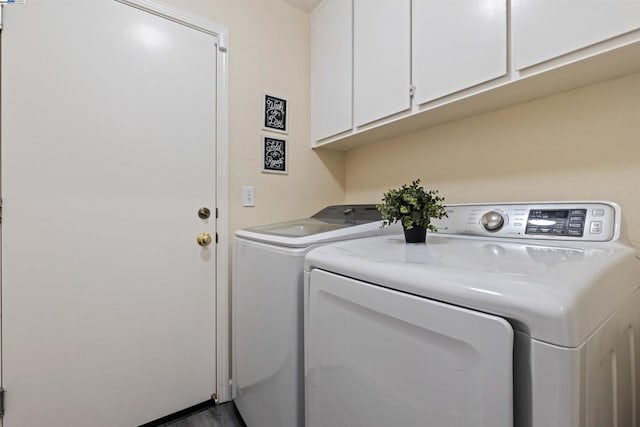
(412, 90)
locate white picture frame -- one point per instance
(275, 113)
(275, 154)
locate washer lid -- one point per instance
(298, 228)
(332, 223)
(558, 293)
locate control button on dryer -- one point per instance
(574, 233)
(595, 227)
(576, 225)
(597, 212)
(492, 221)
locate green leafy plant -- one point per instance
(412, 205)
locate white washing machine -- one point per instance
(521, 315)
(267, 309)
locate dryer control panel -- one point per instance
(585, 221)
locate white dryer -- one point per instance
(267, 297)
(521, 315)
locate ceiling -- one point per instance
(306, 5)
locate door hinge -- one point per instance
(2, 402)
(412, 90)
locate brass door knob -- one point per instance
(204, 239)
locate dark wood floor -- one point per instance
(223, 415)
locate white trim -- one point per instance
(181, 17)
(223, 347)
(221, 32)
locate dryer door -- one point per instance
(377, 358)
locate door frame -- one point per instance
(221, 32)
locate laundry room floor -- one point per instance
(223, 415)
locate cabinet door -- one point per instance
(381, 49)
(457, 44)
(331, 68)
(546, 29)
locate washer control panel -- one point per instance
(586, 221)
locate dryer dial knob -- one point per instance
(492, 221)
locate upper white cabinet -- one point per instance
(331, 69)
(457, 44)
(459, 57)
(381, 59)
(547, 29)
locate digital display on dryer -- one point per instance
(556, 222)
(549, 214)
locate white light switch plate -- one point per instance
(248, 196)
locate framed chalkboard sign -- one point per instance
(275, 155)
(275, 116)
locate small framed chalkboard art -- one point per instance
(275, 155)
(275, 117)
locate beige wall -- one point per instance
(582, 144)
(269, 51)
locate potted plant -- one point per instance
(413, 206)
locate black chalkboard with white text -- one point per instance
(274, 155)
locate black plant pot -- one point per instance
(416, 234)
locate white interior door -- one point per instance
(108, 152)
